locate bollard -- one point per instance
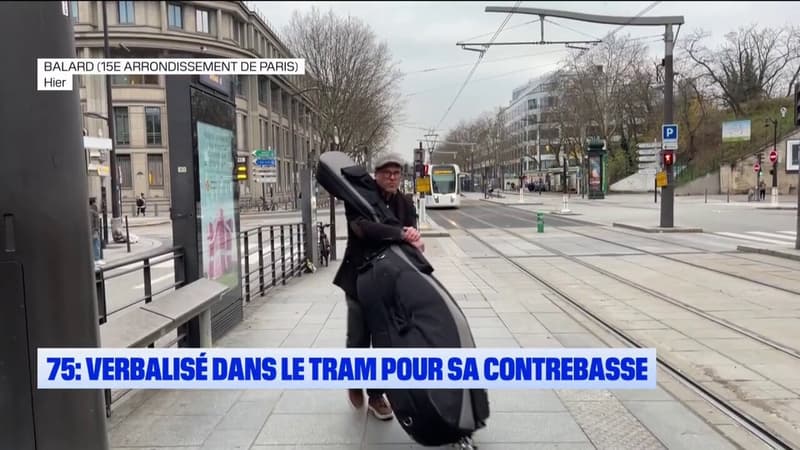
(127, 235)
(539, 222)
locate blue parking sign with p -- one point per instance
(669, 132)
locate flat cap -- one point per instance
(389, 158)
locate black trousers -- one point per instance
(358, 335)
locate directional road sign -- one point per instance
(265, 169)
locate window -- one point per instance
(124, 164)
(121, 127)
(152, 116)
(202, 21)
(262, 89)
(126, 12)
(241, 85)
(238, 31)
(241, 132)
(532, 103)
(175, 15)
(134, 80)
(73, 11)
(155, 170)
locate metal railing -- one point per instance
(278, 255)
(143, 263)
(266, 276)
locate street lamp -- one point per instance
(116, 201)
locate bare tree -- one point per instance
(356, 80)
(750, 64)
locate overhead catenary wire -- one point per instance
(492, 77)
(606, 37)
(507, 29)
(475, 67)
(487, 61)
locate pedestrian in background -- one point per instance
(140, 205)
(94, 221)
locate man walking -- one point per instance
(94, 221)
(364, 236)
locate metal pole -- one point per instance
(333, 223)
(104, 205)
(116, 201)
(309, 215)
(797, 230)
(775, 164)
(294, 149)
(667, 192)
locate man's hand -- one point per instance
(419, 245)
(411, 234)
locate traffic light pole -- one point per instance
(775, 163)
(668, 191)
(797, 123)
(116, 200)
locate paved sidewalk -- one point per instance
(311, 312)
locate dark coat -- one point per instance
(364, 237)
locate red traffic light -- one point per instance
(669, 158)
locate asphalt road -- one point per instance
(498, 216)
(729, 224)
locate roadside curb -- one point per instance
(648, 229)
(780, 253)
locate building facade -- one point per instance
(272, 111)
(530, 132)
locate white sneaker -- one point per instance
(100, 262)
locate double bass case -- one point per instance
(405, 306)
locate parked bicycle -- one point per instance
(324, 243)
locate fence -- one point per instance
(256, 278)
(285, 262)
(270, 255)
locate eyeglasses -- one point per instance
(390, 174)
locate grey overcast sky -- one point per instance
(423, 35)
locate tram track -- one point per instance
(666, 257)
(746, 420)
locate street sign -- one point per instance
(96, 143)
(265, 169)
(661, 179)
(773, 156)
(424, 185)
(756, 168)
(669, 136)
